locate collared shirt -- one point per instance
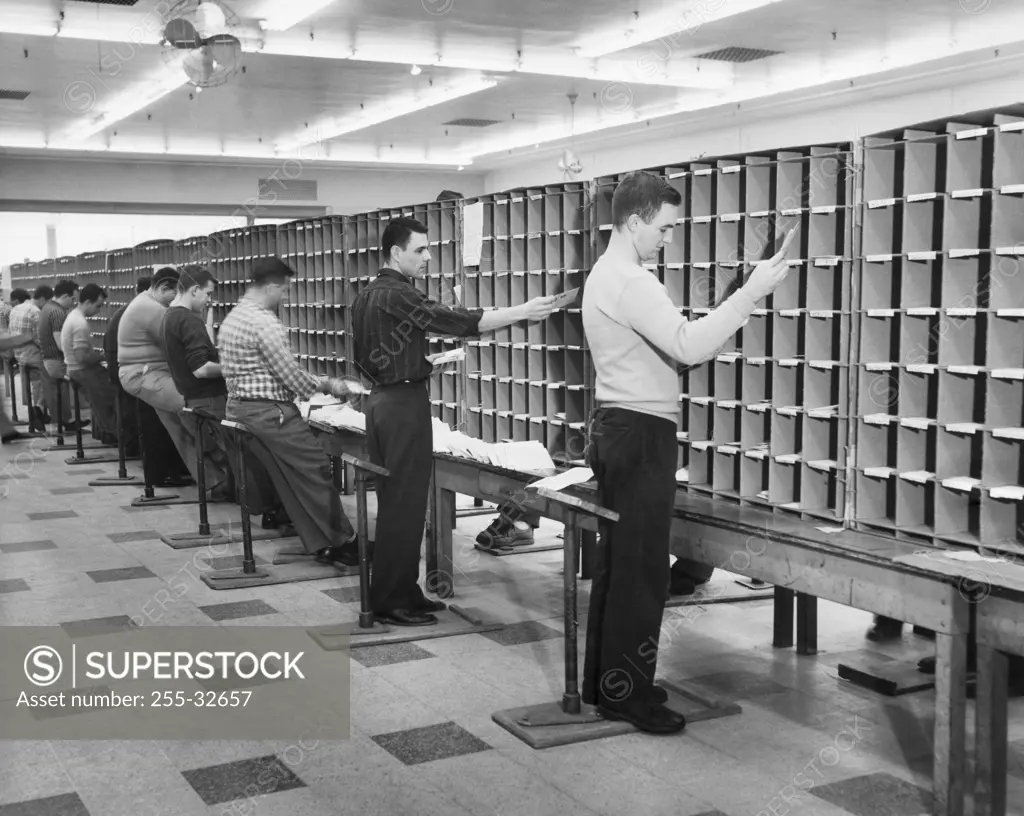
(255, 357)
(51, 321)
(25, 320)
(390, 322)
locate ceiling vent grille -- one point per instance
(18, 96)
(287, 190)
(736, 54)
(473, 123)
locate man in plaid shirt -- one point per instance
(263, 380)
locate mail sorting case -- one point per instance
(941, 307)
(765, 421)
(531, 381)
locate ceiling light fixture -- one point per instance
(416, 70)
(667, 26)
(391, 109)
(286, 13)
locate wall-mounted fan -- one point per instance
(202, 30)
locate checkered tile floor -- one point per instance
(422, 741)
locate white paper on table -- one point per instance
(970, 555)
(830, 529)
(568, 478)
(472, 233)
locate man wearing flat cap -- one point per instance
(263, 380)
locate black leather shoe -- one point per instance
(885, 629)
(405, 617)
(344, 556)
(651, 718)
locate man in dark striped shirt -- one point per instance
(390, 322)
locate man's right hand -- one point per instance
(768, 275)
(540, 308)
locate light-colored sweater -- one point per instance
(637, 337)
(138, 334)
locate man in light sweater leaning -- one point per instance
(638, 338)
(145, 374)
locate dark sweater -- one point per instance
(188, 347)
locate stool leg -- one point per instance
(122, 469)
(204, 521)
(147, 491)
(571, 703)
(79, 451)
(365, 613)
(14, 393)
(248, 559)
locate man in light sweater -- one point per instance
(638, 337)
(145, 374)
(85, 363)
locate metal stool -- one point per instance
(239, 437)
(361, 467)
(149, 496)
(80, 458)
(122, 477)
(12, 375)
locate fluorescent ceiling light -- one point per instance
(667, 25)
(137, 97)
(390, 109)
(286, 13)
(29, 28)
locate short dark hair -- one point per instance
(270, 270)
(142, 285)
(194, 275)
(165, 278)
(44, 292)
(91, 292)
(65, 287)
(642, 193)
(398, 232)
(20, 295)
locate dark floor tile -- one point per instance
(131, 509)
(52, 514)
(90, 627)
(877, 794)
(13, 585)
(246, 779)
(738, 685)
(136, 535)
(122, 574)
(66, 804)
(343, 594)
(388, 653)
(27, 546)
(70, 491)
(516, 634)
(482, 577)
(431, 743)
(237, 609)
(224, 562)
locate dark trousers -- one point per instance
(162, 458)
(299, 469)
(633, 456)
(400, 437)
(260, 495)
(95, 384)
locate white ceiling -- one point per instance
(352, 60)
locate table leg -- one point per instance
(806, 624)
(950, 724)
(440, 562)
(783, 628)
(991, 733)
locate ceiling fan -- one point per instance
(201, 29)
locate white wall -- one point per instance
(843, 116)
(345, 191)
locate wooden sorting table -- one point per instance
(850, 568)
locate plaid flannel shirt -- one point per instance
(25, 320)
(255, 357)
